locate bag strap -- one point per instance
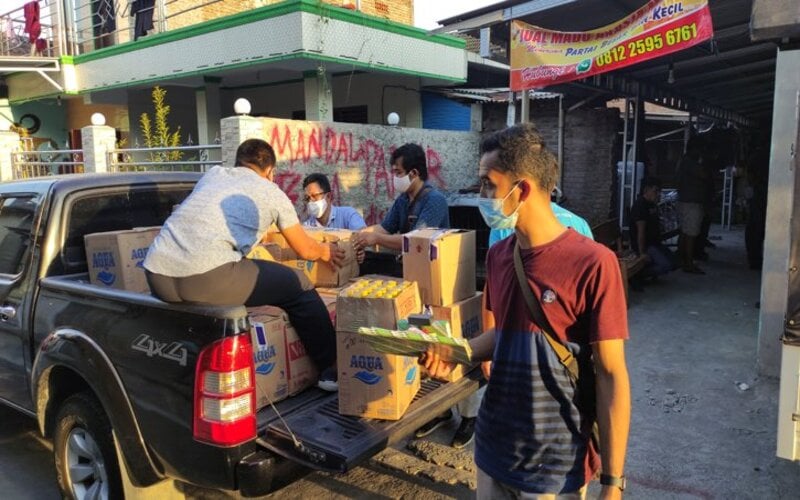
(421, 196)
(564, 354)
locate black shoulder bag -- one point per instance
(585, 388)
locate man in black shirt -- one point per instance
(646, 229)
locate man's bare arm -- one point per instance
(613, 409)
(377, 235)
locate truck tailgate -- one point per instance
(328, 441)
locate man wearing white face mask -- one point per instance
(320, 209)
(418, 204)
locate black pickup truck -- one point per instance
(127, 385)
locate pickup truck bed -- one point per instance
(332, 442)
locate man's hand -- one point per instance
(360, 254)
(486, 368)
(332, 254)
(365, 239)
(337, 256)
(434, 361)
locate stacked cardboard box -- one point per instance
(115, 258)
(267, 330)
(282, 365)
(374, 384)
(442, 262)
(321, 274)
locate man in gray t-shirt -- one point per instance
(199, 255)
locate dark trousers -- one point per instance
(662, 260)
(257, 283)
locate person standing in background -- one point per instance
(692, 190)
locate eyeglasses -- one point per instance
(315, 196)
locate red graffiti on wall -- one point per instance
(374, 215)
(297, 147)
(290, 183)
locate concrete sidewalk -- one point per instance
(694, 432)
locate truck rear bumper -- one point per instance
(254, 474)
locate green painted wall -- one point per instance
(53, 119)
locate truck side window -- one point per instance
(17, 216)
(112, 211)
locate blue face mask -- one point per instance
(492, 211)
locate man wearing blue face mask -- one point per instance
(555, 339)
(320, 208)
(563, 215)
(418, 204)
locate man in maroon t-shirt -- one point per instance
(532, 436)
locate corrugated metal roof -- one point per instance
(494, 94)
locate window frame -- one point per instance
(24, 261)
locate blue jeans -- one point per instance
(662, 260)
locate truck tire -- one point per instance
(83, 447)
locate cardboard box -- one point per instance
(266, 251)
(465, 317)
(115, 258)
(301, 372)
(320, 273)
(354, 310)
(269, 356)
(373, 384)
(466, 322)
(300, 369)
(442, 262)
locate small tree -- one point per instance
(161, 137)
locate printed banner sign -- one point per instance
(540, 57)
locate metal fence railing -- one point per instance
(96, 24)
(22, 36)
(28, 164)
(178, 159)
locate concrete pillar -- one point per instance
(511, 113)
(97, 141)
(235, 130)
(476, 117)
(318, 96)
(525, 108)
(209, 112)
(6, 116)
(9, 144)
(775, 272)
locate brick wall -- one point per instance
(401, 11)
(178, 16)
(590, 161)
(590, 151)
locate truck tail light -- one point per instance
(224, 392)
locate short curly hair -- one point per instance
(521, 152)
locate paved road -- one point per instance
(26, 460)
(26, 472)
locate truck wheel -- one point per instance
(83, 446)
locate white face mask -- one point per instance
(401, 184)
(317, 208)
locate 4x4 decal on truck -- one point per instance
(174, 351)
